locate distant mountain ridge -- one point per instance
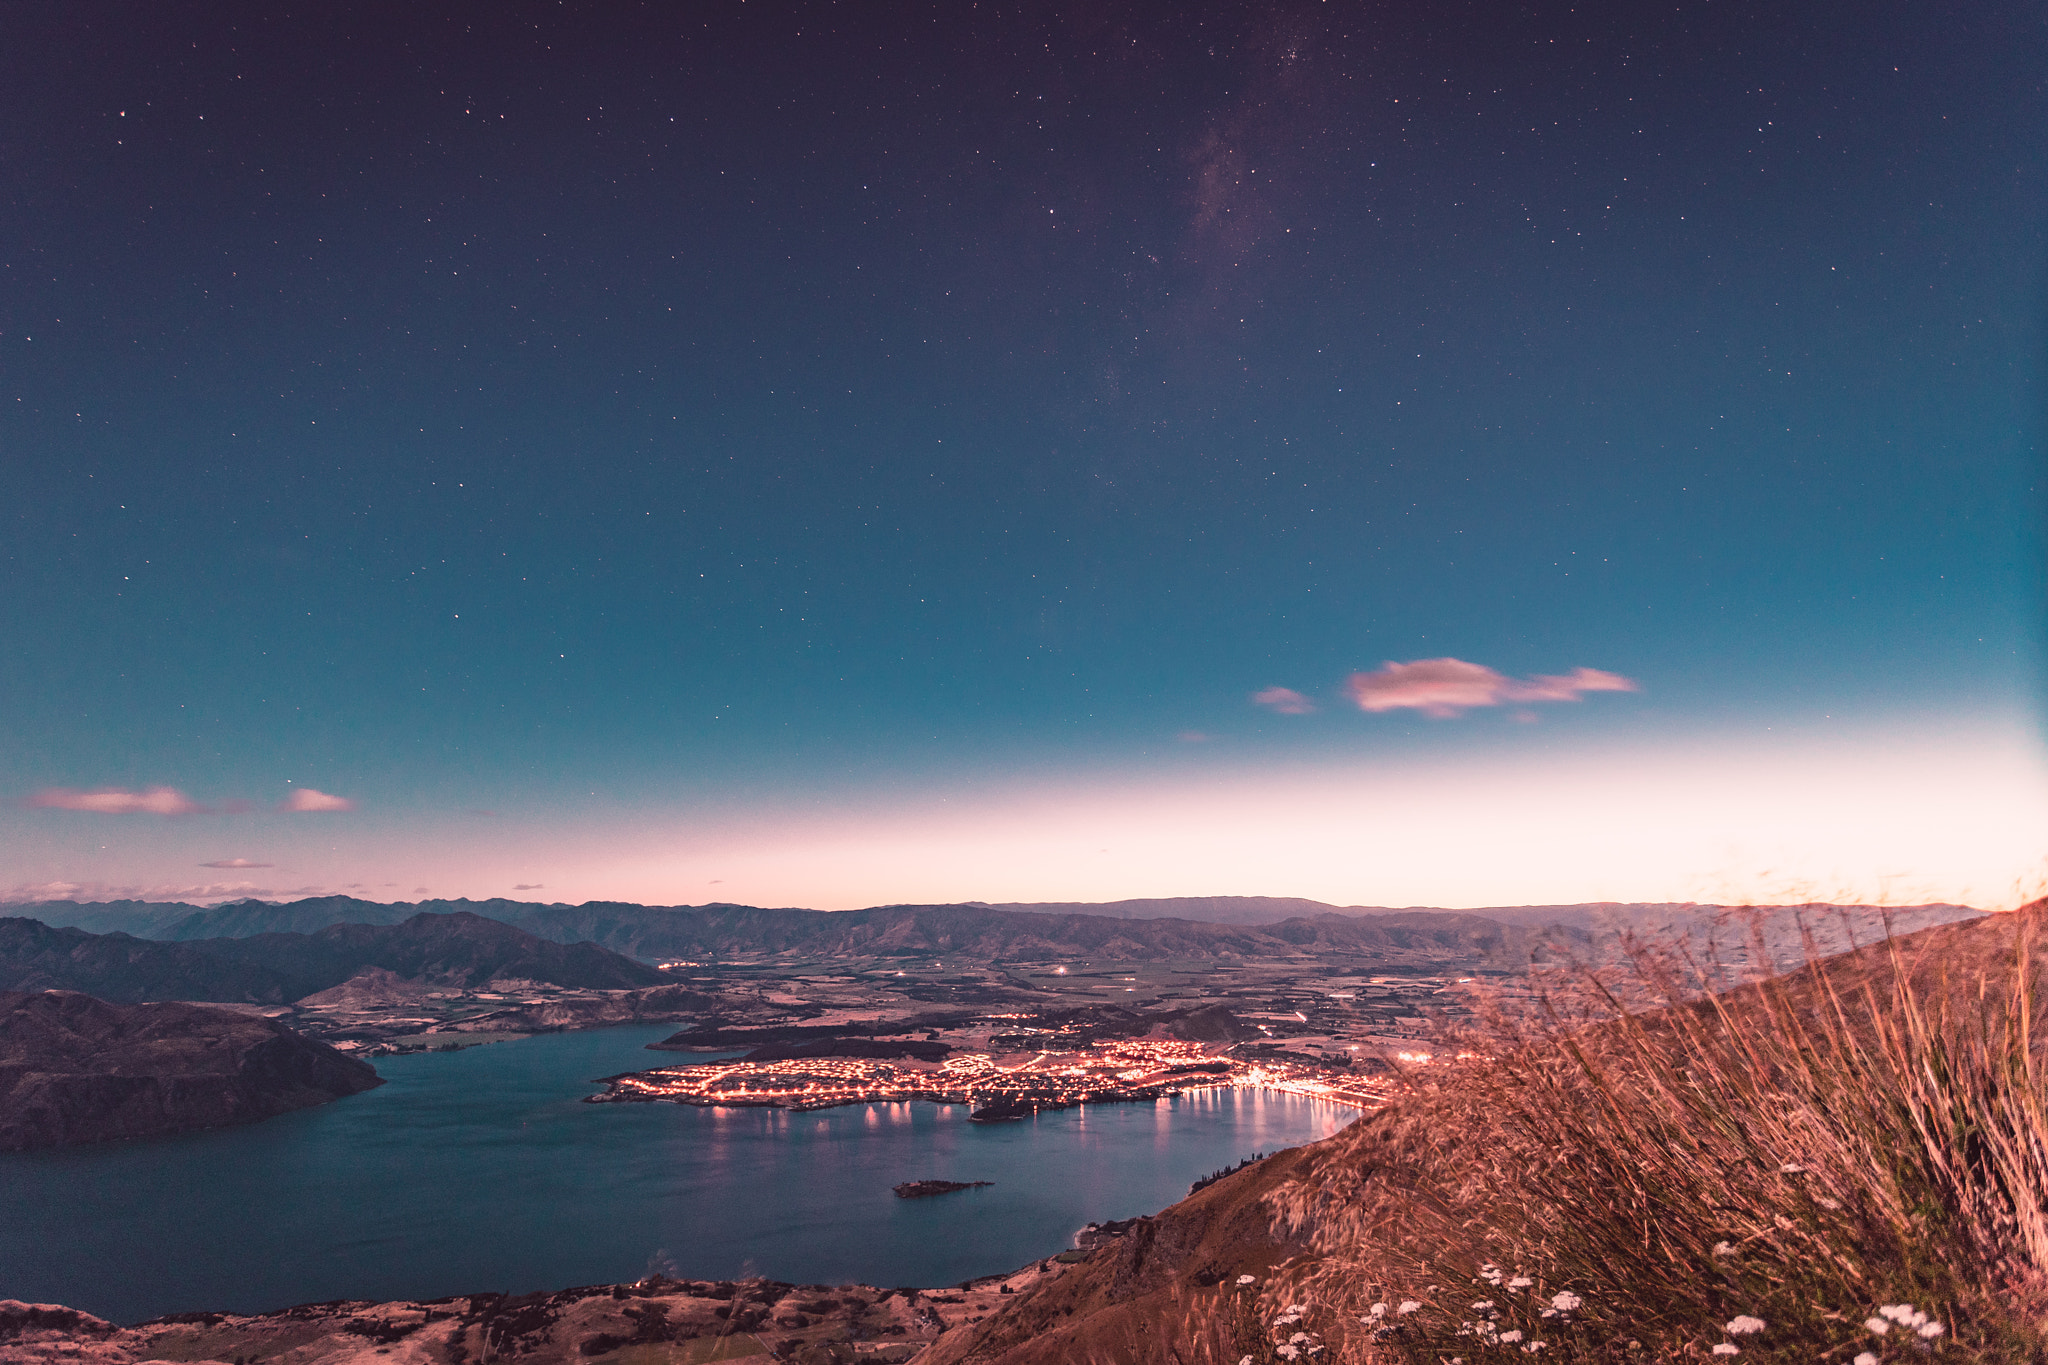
(1591, 915)
(461, 950)
(288, 966)
(177, 921)
(983, 934)
(1267, 926)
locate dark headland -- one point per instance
(74, 1069)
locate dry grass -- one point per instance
(1774, 1172)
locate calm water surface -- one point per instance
(480, 1170)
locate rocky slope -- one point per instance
(655, 1320)
(1110, 1306)
(74, 1069)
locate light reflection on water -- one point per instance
(481, 1170)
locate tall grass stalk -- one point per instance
(1867, 1133)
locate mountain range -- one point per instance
(264, 952)
(457, 950)
(656, 931)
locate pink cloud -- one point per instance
(1571, 686)
(236, 862)
(1285, 700)
(116, 801)
(306, 799)
(1443, 688)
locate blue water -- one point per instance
(480, 1170)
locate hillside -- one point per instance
(1134, 1294)
(74, 1069)
(458, 950)
(1798, 1154)
(36, 957)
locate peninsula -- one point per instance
(74, 1069)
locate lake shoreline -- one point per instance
(400, 1193)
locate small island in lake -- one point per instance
(925, 1189)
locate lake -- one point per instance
(481, 1170)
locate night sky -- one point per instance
(841, 454)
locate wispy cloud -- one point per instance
(236, 862)
(306, 799)
(1443, 688)
(529, 886)
(1285, 700)
(193, 893)
(118, 801)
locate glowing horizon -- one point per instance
(1949, 814)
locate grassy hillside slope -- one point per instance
(1846, 1164)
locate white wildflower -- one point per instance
(1532, 1348)
(1507, 1338)
(1378, 1310)
(1287, 1352)
(1722, 1348)
(1930, 1330)
(1490, 1273)
(1246, 1361)
(1876, 1326)
(1742, 1325)
(1519, 1282)
(1864, 1358)
(1792, 1168)
(1483, 1304)
(1409, 1306)
(1247, 1279)
(1299, 1339)
(1566, 1301)
(1724, 1249)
